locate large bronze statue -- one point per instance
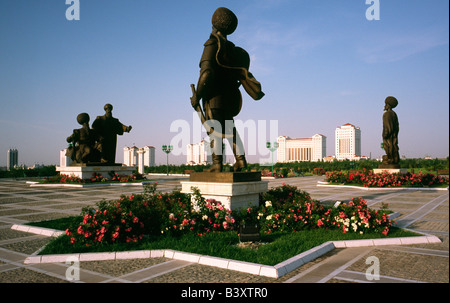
(107, 128)
(223, 68)
(83, 142)
(390, 134)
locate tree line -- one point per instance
(300, 168)
(431, 165)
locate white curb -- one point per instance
(37, 184)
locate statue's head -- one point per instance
(224, 20)
(83, 118)
(392, 102)
(108, 109)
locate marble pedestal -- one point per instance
(390, 170)
(87, 171)
(233, 190)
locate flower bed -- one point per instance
(96, 178)
(282, 209)
(367, 178)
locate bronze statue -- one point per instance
(390, 134)
(107, 128)
(223, 68)
(82, 149)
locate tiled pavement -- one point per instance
(422, 210)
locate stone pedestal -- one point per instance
(86, 171)
(390, 170)
(233, 190)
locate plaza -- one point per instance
(421, 210)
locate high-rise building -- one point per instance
(305, 149)
(131, 157)
(12, 158)
(348, 142)
(197, 154)
(63, 159)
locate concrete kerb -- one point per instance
(37, 184)
(276, 271)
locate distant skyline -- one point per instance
(321, 64)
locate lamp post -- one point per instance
(272, 148)
(167, 149)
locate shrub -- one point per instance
(369, 179)
(285, 209)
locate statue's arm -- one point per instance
(75, 137)
(126, 128)
(207, 72)
(387, 125)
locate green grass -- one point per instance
(279, 246)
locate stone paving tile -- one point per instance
(197, 273)
(68, 206)
(23, 275)
(119, 268)
(8, 200)
(28, 247)
(6, 234)
(16, 211)
(430, 225)
(57, 196)
(36, 203)
(403, 265)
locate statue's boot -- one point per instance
(240, 163)
(217, 163)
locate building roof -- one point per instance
(348, 125)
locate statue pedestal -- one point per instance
(86, 171)
(392, 169)
(233, 190)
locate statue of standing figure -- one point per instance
(107, 128)
(223, 68)
(390, 134)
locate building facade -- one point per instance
(305, 149)
(131, 156)
(12, 158)
(197, 154)
(348, 142)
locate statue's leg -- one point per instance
(216, 116)
(238, 147)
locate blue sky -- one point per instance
(321, 64)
